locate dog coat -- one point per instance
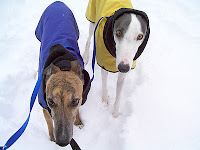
(58, 33)
(105, 45)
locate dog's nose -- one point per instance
(62, 142)
(123, 67)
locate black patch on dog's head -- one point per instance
(122, 23)
(142, 23)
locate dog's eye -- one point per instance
(118, 33)
(51, 102)
(75, 102)
(140, 36)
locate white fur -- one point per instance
(126, 49)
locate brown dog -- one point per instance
(65, 83)
(64, 97)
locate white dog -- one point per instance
(121, 37)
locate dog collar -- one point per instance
(109, 26)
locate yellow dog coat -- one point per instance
(110, 10)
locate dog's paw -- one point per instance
(116, 114)
(105, 100)
(80, 126)
(78, 123)
(52, 139)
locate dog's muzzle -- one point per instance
(63, 133)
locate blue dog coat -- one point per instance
(58, 33)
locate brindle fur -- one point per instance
(63, 87)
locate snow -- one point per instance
(160, 101)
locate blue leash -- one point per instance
(94, 50)
(17, 134)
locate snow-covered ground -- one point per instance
(161, 100)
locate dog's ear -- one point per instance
(51, 69)
(76, 67)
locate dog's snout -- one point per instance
(63, 133)
(123, 67)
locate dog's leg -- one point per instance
(120, 85)
(105, 97)
(86, 53)
(78, 120)
(49, 121)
